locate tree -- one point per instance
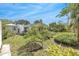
(57, 27)
(25, 22)
(72, 10)
(38, 32)
(38, 21)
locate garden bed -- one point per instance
(66, 44)
(66, 39)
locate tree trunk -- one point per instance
(77, 33)
(77, 28)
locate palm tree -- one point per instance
(72, 11)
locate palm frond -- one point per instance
(63, 12)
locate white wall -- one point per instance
(0, 34)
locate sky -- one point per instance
(32, 11)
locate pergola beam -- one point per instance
(0, 34)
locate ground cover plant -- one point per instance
(65, 38)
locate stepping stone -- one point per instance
(5, 51)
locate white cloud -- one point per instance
(37, 9)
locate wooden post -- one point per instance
(0, 35)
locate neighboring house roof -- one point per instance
(11, 24)
(18, 25)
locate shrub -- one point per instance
(57, 27)
(6, 32)
(31, 46)
(65, 38)
(34, 33)
(15, 42)
(34, 46)
(56, 50)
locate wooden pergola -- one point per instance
(0, 35)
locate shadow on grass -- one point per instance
(22, 51)
(64, 44)
(28, 48)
